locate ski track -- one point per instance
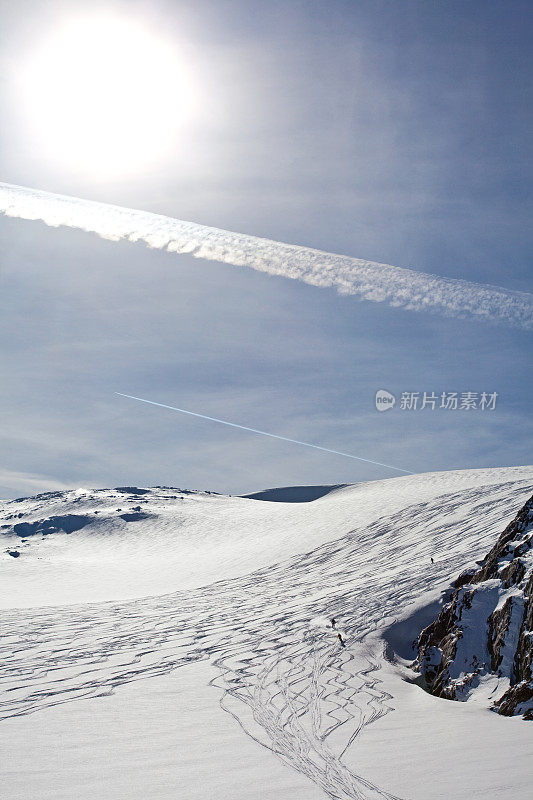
(283, 677)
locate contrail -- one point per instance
(367, 280)
(264, 433)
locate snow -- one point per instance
(434, 749)
(513, 633)
(474, 637)
(193, 539)
(190, 652)
(158, 739)
(477, 651)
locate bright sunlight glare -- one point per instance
(105, 96)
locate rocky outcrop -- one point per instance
(482, 640)
(67, 523)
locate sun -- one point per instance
(105, 96)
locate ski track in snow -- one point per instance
(282, 673)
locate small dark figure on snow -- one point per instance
(341, 640)
(432, 561)
(333, 623)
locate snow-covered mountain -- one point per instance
(481, 643)
(170, 644)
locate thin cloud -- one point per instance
(367, 280)
(264, 433)
(15, 482)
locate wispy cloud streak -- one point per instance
(264, 433)
(367, 280)
(14, 481)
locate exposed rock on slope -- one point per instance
(481, 643)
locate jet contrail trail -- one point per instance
(264, 433)
(367, 280)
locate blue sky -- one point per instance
(389, 131)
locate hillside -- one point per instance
(169, 644)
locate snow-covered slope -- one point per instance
(480, 646)
(156, 592)
(133, 542)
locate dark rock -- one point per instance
(68, 523)
(513, 573)
(131, 490)
(492, 561)
(498, 627)
(518, 695)
(464, 577)
(501, 594)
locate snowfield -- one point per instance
(178, 644)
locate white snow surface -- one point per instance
(190, 653)
(193, 539)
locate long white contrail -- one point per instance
(264, 433)
(368, 280)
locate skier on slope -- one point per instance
(333, 623)
(341, 640)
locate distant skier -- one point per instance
(432, 560)
(333, 623)
(341, 640)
